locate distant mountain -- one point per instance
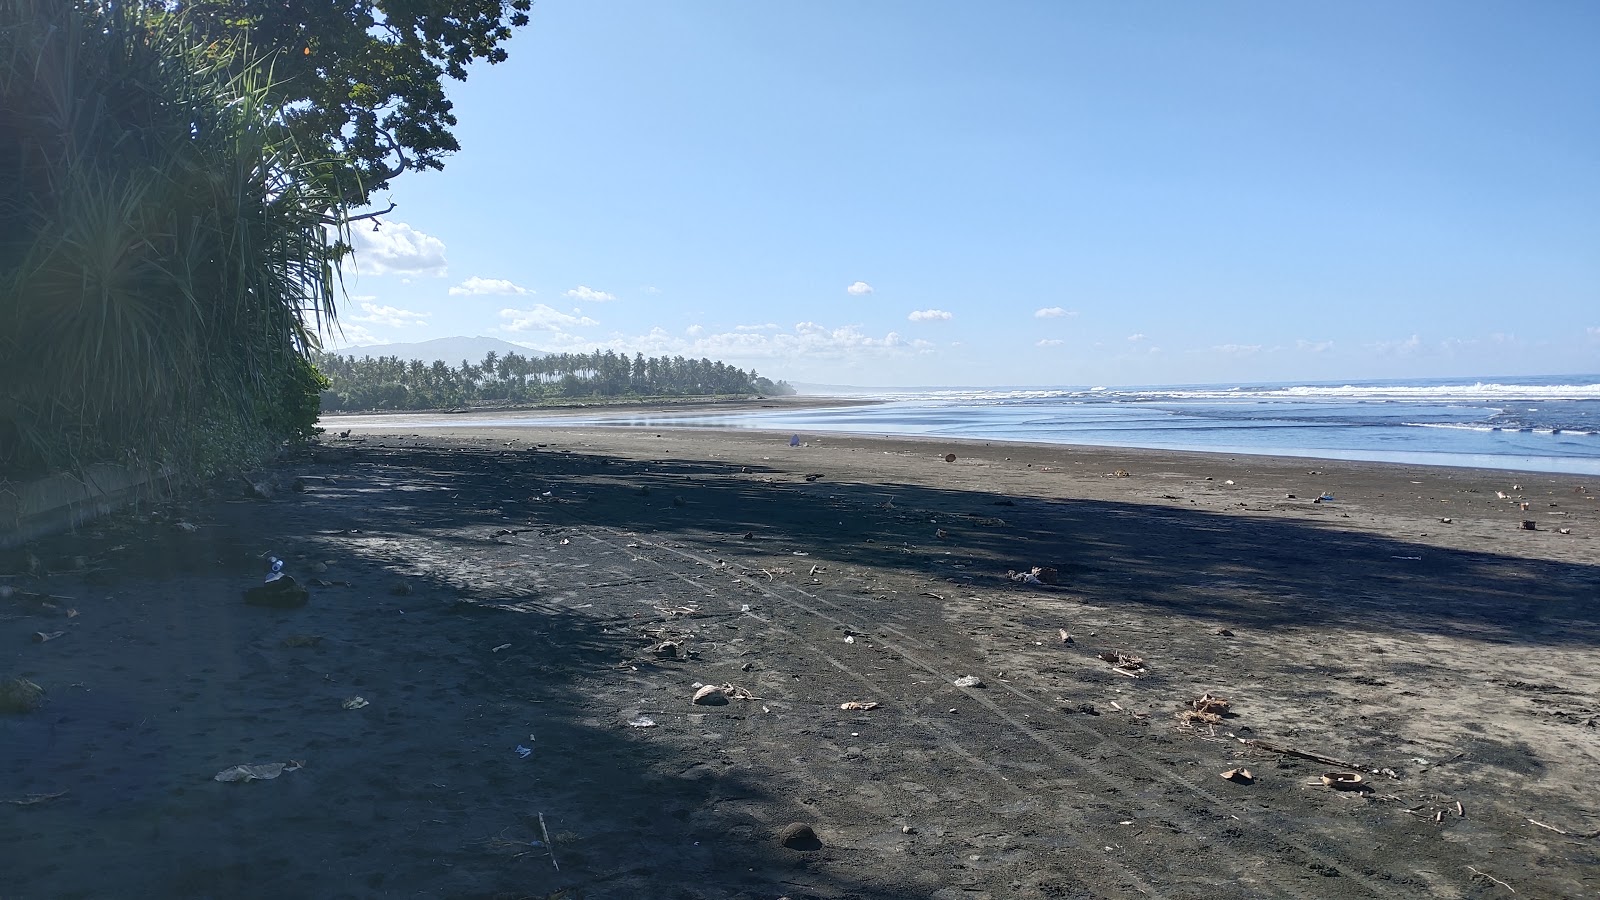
(450, 349)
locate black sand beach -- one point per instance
(558, 589)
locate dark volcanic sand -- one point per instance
(1462, 656)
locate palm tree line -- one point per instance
(389, 382)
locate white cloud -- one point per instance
(1313, 346)
(1594, 331)
(476, 286)
(803, 345)
(1136, 338)
(1050, 342)
(590, 295)
(1238, 349)
(397, 249)
(347, 335)
(695, 330)
(929, 315)
(542, 318)
(391, 316)
(858, 289)
(1053, 312)
(650, 289)
(770, 326)
(1400, 348)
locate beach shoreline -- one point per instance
(564, 590)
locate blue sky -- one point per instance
(924, 193)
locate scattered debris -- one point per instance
(499, 648)
(547, 843)
(36, 799)
(1240, 776)
(799, 836)
(257, 772)
(1346, 781)
(355, 703)
(665, 650)
(278, 591)
(1120, 473)
(969, 681)
(642, 722)
(522, 752)
(720, 694)
(860, 705)
(1131, 666)
(19, 695)
(1476, 873)
(40, 637)
(1578, 834)
(1065, 637)
(710, 695)
(1023, 577)
(1314, 757)
(1206, 703)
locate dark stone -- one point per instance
(799, 836)
(284, 593)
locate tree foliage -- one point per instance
(364, 78)
(389, 382)
(164, 256)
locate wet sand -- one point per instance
(488, 589)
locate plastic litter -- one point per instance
(355, 703)
(256, 772)
(523, 752)
(794, 441)
(642, 722)
(968, 681)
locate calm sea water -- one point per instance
(1533, 424)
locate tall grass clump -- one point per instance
(168, 255)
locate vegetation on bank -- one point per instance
(388, 382)
(176, 178)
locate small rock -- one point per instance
(799, 836)
(1088, 709)
(907, 829)
(1224, 632)
(19, 695)
(968, 681)
(710, 695)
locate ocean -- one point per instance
(1525, 424)
(1528, 424)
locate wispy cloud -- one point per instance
(1136, 338)
(858, 289)
(586, 294)
(1053, 312)
(770, 326)
(1050, 342)
(1238, 349)
(929, 315)
(1398, 348)
(476, 286)
(649, 289)
(1313, 346)
(542, 318)
(803, 344)
(392, 316)
(397, 249)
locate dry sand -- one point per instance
(485, 590)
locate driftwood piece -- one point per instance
(1315, 757)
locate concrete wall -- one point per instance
(47, 505)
